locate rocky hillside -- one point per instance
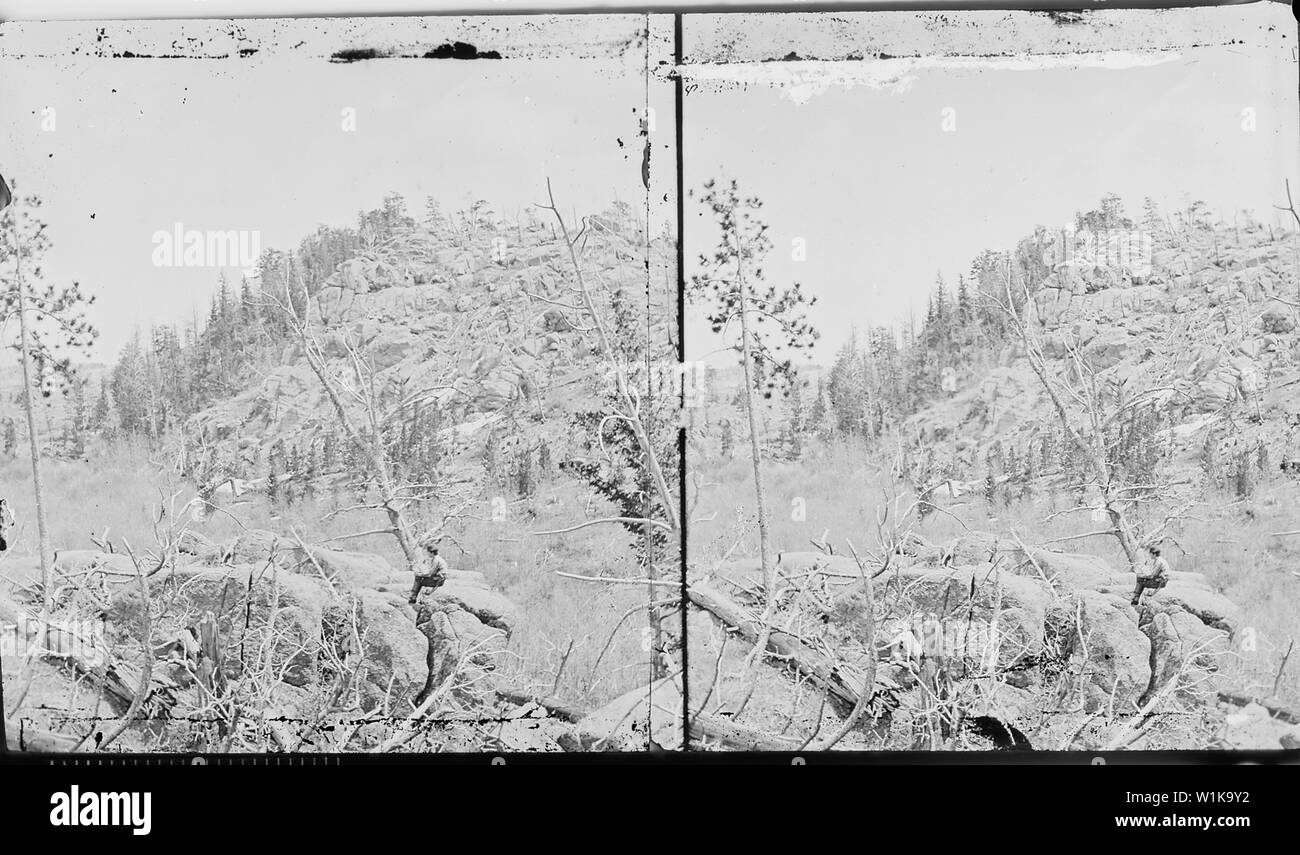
(1210, 338)
(467, 323)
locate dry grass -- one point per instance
(120, 488)
(1228, 540)
(117, 490)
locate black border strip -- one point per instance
(672, 758)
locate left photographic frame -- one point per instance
(341, 410)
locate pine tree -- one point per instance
(846, 389)
(311, 470)
(128, 387)
(26, 240)
(274, 474)
(817, 419)
(248, 309)
(1154, 224)
(525, 483)
(965, 308)
(76, 419)
(544, 463)
(329, 452)
(795, 423)
(1108, 216)
(10, 432)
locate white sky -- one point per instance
(886, 200)
(257, 144)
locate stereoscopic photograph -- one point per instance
(994, 433)
(338, 410)
(659, 386)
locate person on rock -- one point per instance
(435, 573)
(1156, 578)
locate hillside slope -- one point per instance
(463, 326)
(1209, 340)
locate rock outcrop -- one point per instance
(310, 632)
(1211, 330)
(464, 315)
(1043, 643)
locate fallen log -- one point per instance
(703, 726)
(738, 736)
(821, 669)
(1275, 707)
(90, 657)
(554, 706)
(120, 681)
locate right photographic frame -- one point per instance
(992, 341)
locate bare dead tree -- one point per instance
(634, 407)
(364, 425)
(1085, 419)
(632, 411)
(1290, 205)
(147, 663)
(40, 360)
(869, 644)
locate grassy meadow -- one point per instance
(840, 487)
(118, 493)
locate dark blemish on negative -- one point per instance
(127, 54)
(460, 50)
(355, 55)
(645, 157)
(247, 52)
(1063, 17)
(855, 56)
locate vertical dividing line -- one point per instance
(4, 733)
(681, 356)
(648, 537)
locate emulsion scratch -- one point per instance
(797, 36)
(337, 40)
(802, 80)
